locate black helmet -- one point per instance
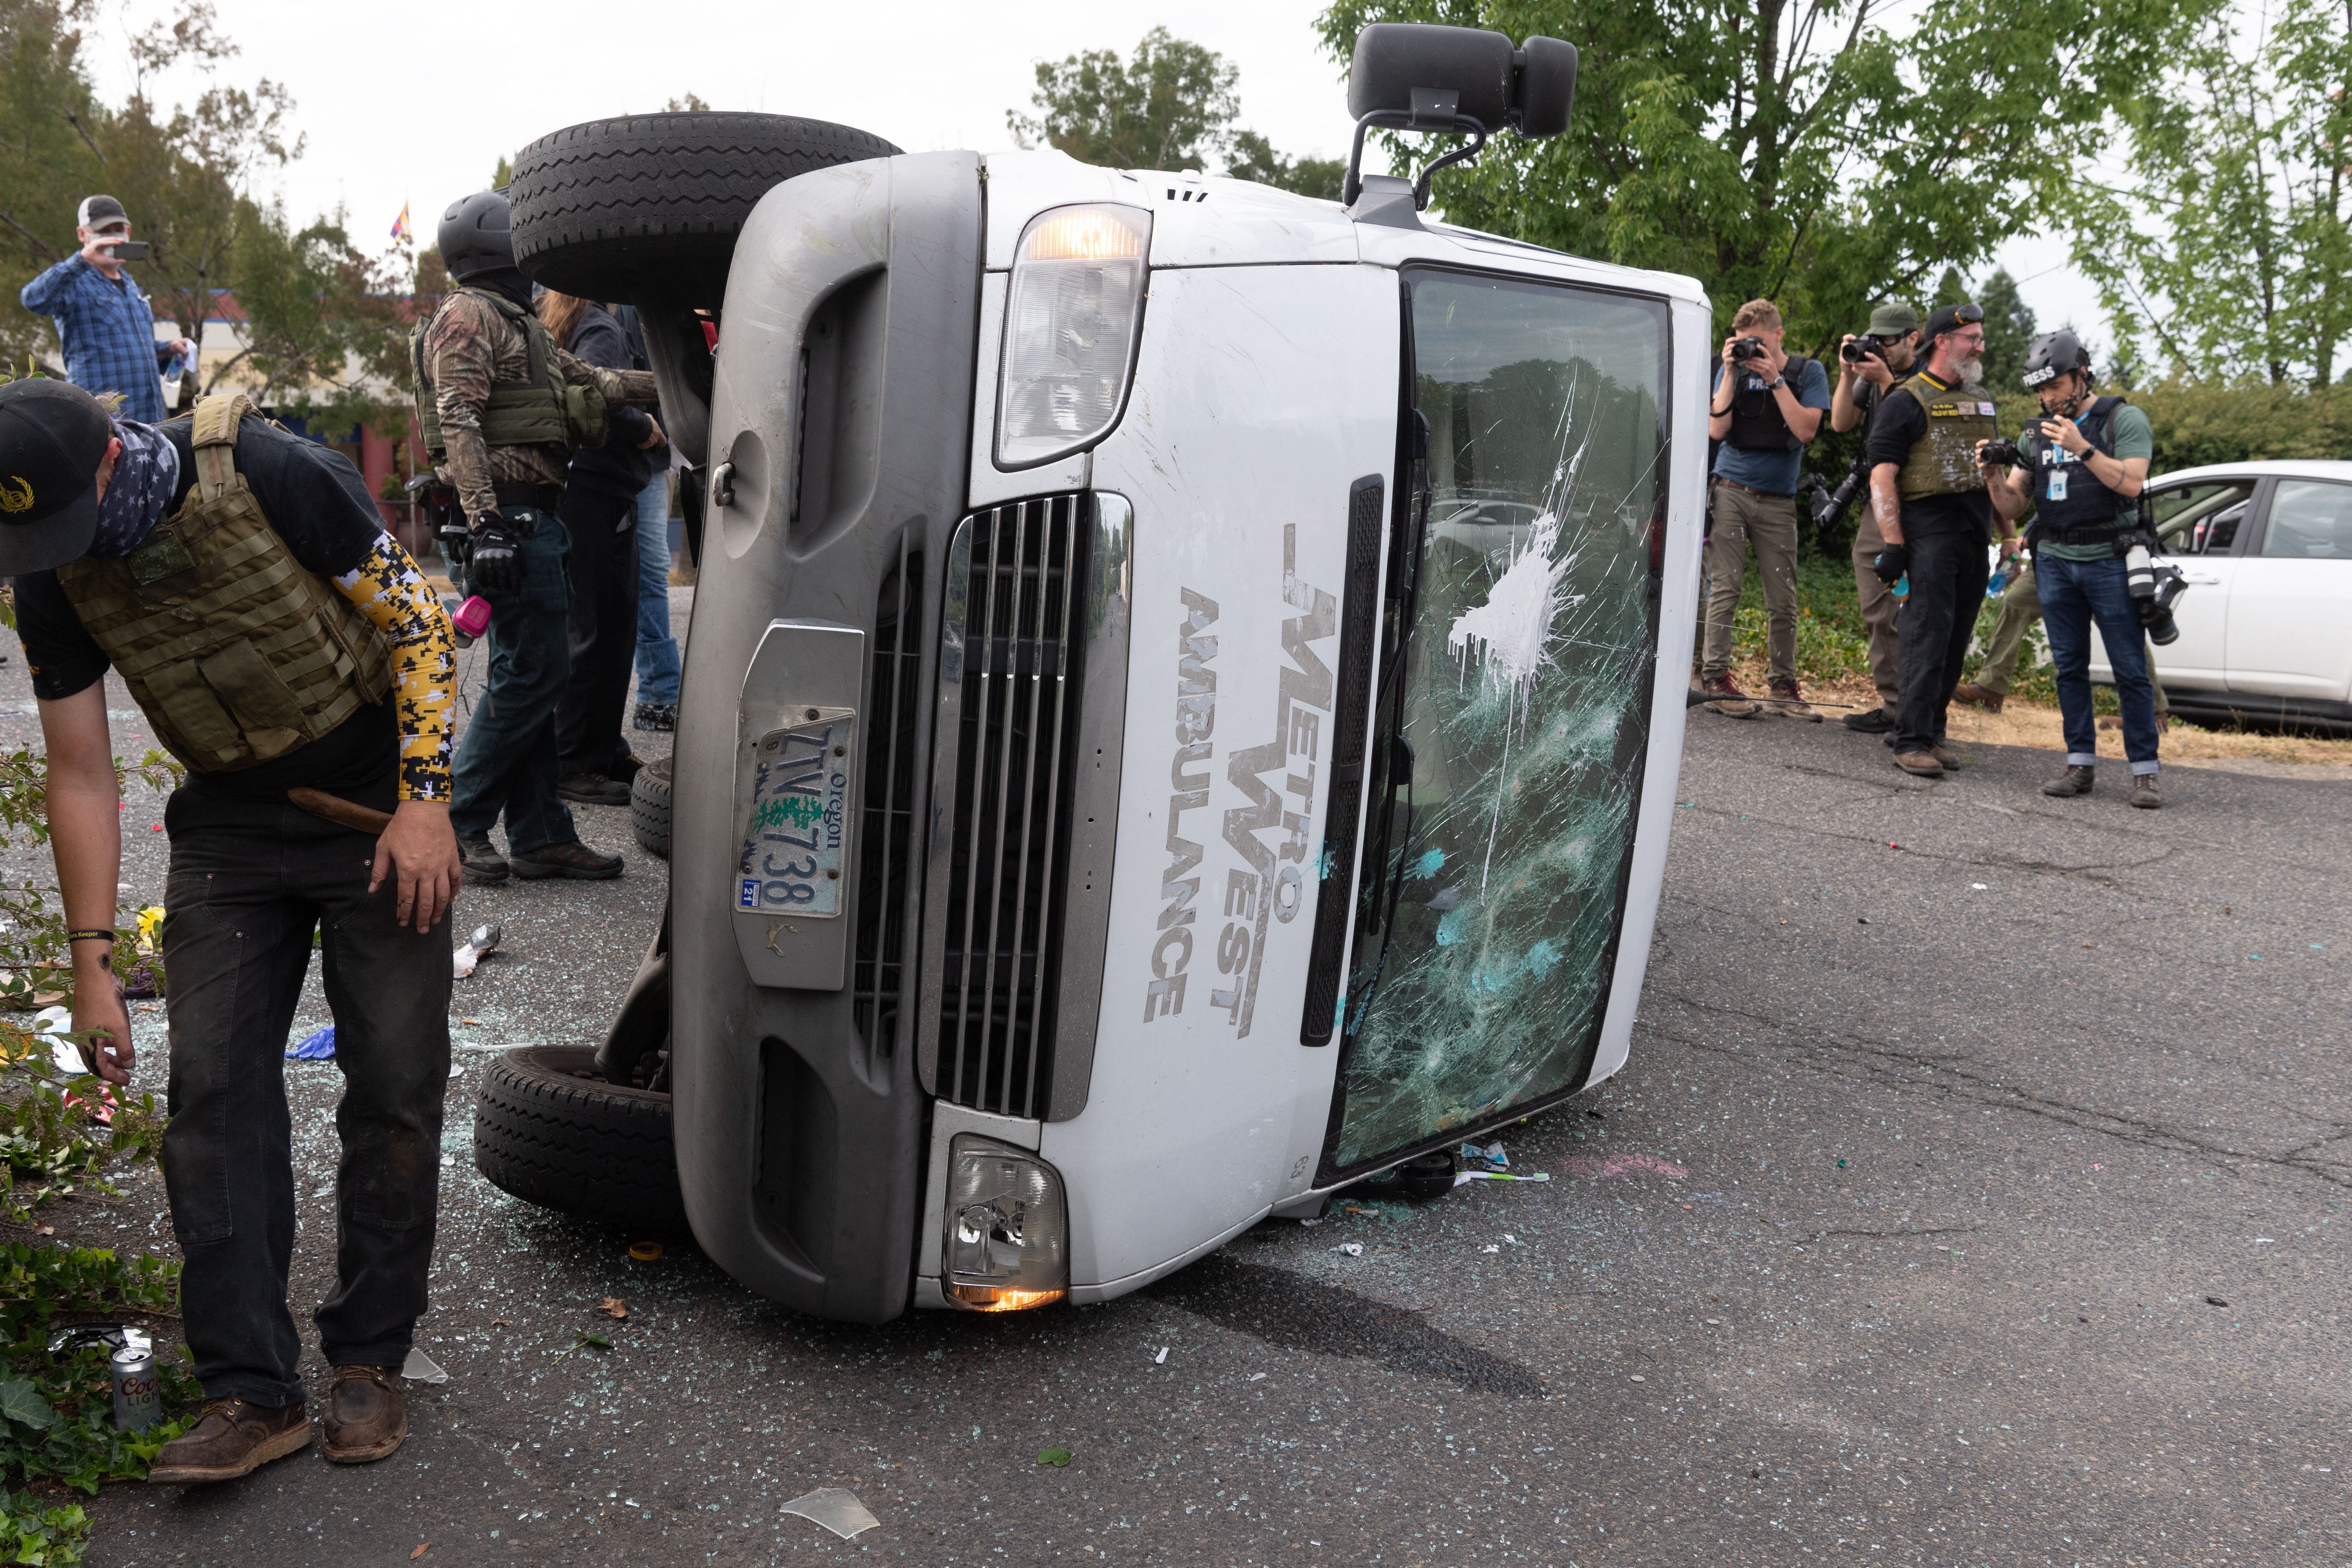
(2055, 354)
(477, 236)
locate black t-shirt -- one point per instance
(320, 507)
(1895, 426)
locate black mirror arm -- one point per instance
(1408, 119)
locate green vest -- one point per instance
(542, 409)
(1943, 462)
(237, 652)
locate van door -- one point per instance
(2293, 590)
(1512, 708)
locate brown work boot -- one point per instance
(1919, 765)
(367, 1415)
(2076, 780)
(1976, 696)
(232, 1437)
(2144, 794)
(1731, 702)
(1789, 703)
(1943, 753)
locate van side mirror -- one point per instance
(1414, 76)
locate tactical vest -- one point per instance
(1757, 422)
(237, 652)
(1943, 462)
(2087, 511)
(542, 409)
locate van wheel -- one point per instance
(646, 208)
(649, 806)
(550, 1130)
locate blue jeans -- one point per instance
(506, 761)
(657, 665)
(2074, 595)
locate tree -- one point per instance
(2243, 143)
(1806, 152)
(2008, 329)
(1171, 106)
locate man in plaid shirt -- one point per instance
(104, 326)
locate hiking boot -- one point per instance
(232, 1437)
(657, 716)
(592, 789)
(1976, 696)
(1919, 765)
(1943, 753)
(1729, 700)
(1877, 721)
(366, 1415)
(1789, 703)
(2144, 794)
(574, 860)
(482, 861)
(2076, 780)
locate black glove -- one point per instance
(496, 565)
(1890, 562)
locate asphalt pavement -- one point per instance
(1969, 1198)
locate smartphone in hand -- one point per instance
(130, 250)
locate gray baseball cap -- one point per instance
(1892, 320)
(99, 213)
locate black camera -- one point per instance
(1746, 349)
(1862, 349)
(2154, 586)
(2001, 454)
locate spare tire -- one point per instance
(646, 208)
(550, 1130)
(649, 806)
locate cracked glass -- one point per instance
(1528, 572)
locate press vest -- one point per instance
(2085, 511)
(542, 409)
(1943, 462)
(1757, 422)
(236, 651)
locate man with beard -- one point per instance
(1929, 495)
(1890, 348)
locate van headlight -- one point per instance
(1008, 1229)
(1076, 301)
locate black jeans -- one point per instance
(506, 759)
(249, 882)
(1949, 573)
(588, 737)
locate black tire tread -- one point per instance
(581, 1146)
(647, 207)
(649, 806)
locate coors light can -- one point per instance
(135, 1409)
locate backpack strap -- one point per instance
(215, 440)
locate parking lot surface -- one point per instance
(1971, 1196)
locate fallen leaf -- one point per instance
(421, 1548)
(585, 1338)
(1055, 1456)
(477, 1021)
(613, 1307)
(502, 1324)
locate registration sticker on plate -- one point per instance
(798, 822)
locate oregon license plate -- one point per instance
(793, 837)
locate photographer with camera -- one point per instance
(2081, 469)
(1767, 404)
(1929, 495)
(1868, 368)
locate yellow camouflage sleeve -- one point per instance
(387, 588)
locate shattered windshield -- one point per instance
(1496, 854)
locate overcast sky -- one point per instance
(406, 106)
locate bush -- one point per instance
(2199, 422)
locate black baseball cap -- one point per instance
(1951, 319)
(53, 436)
(99, 213)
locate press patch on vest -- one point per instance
(387, 588)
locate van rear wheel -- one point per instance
(646, 207)
(649, 806)
(550, 1130)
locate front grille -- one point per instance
(995, 905)
(887, 822)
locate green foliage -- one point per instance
(2239, 144)
(2199, 421)
(1253, 158)
(1802, 153)
(31, 1532)
(2008, 329)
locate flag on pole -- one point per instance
(400, 225)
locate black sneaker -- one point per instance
(592, 789)
(657, 716)
(574, 861)
(1877, 721)
(482, 861)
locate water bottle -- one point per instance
(1902, 589)
(1998, 583)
